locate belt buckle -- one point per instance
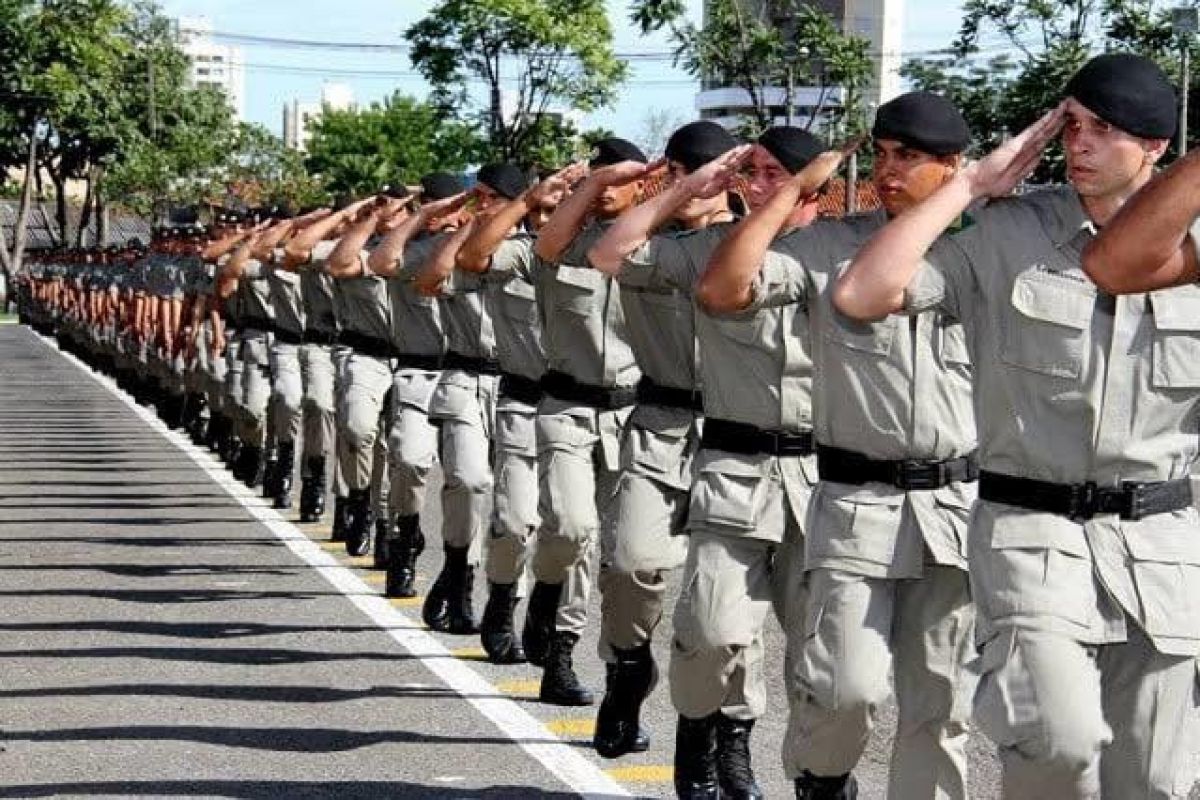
(1133, 501)
(918, 476)
(1083, 501)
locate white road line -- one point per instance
(561, 759)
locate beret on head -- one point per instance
(506, 179)
(440, 185)
(394, 189)
(923, 121)
(792, 147)
(1128, 91)
(698, 143)
(615, 150)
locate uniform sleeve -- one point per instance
(666, 262)
(414, 257)
(781, 280)
(321, 251)
(513, 256)
(1194, 232)
(943, 280)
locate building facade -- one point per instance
(216, 65)
(881, 22)
(299, 116)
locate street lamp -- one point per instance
(1185, 20)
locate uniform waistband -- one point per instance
(480, 366)
(751, 440)
(1131, 500)
(522, 389)
(847, 466)
(562, 386)
(652, 393)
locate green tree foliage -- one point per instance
(546, 54)
(752, 44)
(358, 150)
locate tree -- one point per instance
(551, 52)
(753, 44)
(358, 150)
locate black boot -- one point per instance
(733, 759)
(216, 431)
(359, 522)
(696, 759)
(448, 606)
(255, 467)
(560, 685)
(406, 546)
(839, 787)
(270, 472)
(312, 490)
(383, 540)
(539, 621)
(245, 460)
(496, 629)
(629, 681)
(232, 454)
(341, 506)
(283, 475)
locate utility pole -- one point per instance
(1185, 20)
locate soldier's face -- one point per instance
(615, 200)
(764, 177)
(905, 176)
(1102, 160)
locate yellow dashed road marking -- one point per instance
(406, 602)
(470, 653)
(572, 727)
(528, 688)
(375, 579)
(643, 773)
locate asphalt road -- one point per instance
(167, 635)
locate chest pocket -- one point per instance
(519, 301)
(1046, 323)
(864, 337)
(577, 289)
(1176, 353)
(750, 331)
(954, 342)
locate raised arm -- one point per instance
(265, 246)
(875, 283)
(345, 259)
(229, 274)
(487, 235)
(224, 246)
(386, 257)
(567, 220)
(1146, 246)
(634, 227)
(440, 265)
(299, 248)
(726, 285)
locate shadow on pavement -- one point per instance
(254, 694)
(187, 630)
(292, 790)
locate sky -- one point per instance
(276, 75)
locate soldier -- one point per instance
(1084, 548)
(740, 544)
(885, 559)
(504, 255)
(589, 394)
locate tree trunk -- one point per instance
(21, 230)
(85, 213)
(60, 207)
(101, 221)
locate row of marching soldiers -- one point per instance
(947, 442)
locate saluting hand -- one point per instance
(1004, 168)
(626, 172)
(717, 175)
(551, 189)
(817, 172)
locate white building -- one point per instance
(217, 65)
(881, 22)
(298, 116)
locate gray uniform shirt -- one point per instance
(286, 302)
(317, 290)
(1072, 385)
(254, 293)
(511, 285)
(895, 389)
(416, 319)
(584, 333)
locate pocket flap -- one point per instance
(1057, 300)
(521, 289)
(1176, 309)
(733, 464)
(583, 277)
(1173, 538)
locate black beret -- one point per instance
(394, 189)
(440, 185)
(923, 121)
(1128, 91)
(341, 201)
(698, 143)
(506, 179)
(792, 147)
(615, 150)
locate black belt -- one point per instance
(288, 336)
(480, 366)
(256, 323)
(751, 440)
(367, 345)
(847, 466)
(417, 361)
(652, 393)
(563, 387)
(522, 389)
(315, 336)
(1082, 501)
